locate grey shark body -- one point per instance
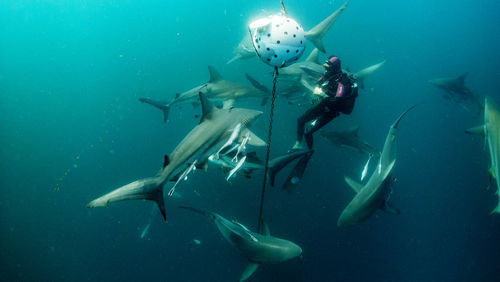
(215, 127)
(456, 91)
(374, 194)
(350, 138)
(491, 131)
(245, 48)
(217, 89)
(257, 248)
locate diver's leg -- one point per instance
(310, 114)
(325, 118)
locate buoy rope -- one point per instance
(273, 98)
(283, 7)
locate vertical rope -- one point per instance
(283, 7)
(259, 225)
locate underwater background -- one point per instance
(72, 129)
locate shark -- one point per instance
(456, 91)
(490, 130)
(257, 248)
(217, 88)
(375, 193)
(350, 138)
(245, 48)
(203, 140)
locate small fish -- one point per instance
(236, 168)
(242, 146)
(197, 242)
(183, 176)
(365, 169)
(145, 231)
(234, 134)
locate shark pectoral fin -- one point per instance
(236, 57)
(254, 140)
(249, 270)
(228, 104)
(388, 208)
(497, 208)
(492, 173)
(478, 130)
(353, 184)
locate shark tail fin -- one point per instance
(162, 106)
(478, 130)
(249, 270)
(315, 35)
(160, 202)
(396, 123)
(313, 57)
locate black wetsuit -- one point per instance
(342, 92)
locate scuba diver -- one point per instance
(338, 91)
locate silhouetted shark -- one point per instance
(458, 92)
(217, 88)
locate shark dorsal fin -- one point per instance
(478, 130)
(354, 130)
(207, 108)
(166, 160)
(462, 77)
(353, 184)
(266, 231)
(313, 57)
(214, 75)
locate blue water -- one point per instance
(71, 129)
